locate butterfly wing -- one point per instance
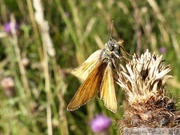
(85, 69)
(107, 91)
(89, 87)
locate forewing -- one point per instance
(89, 87)
(82, 71)
(107, 91)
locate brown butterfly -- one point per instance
(96, 73)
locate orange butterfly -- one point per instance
(96, 73)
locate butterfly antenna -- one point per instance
(111, 30)
(125, 50)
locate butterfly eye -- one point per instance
(111, 47)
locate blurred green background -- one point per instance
(36, 84)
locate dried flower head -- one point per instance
(25, 62)
(100, 123)
(143, 80)
(143, 77)
(8, 86)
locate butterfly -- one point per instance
(97, 75)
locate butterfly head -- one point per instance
(112, 49)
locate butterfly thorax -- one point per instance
(111, 51)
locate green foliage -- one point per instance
(77, 28)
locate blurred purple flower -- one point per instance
(7, 27)
(100, 123)
(162, 50)
(67, 14)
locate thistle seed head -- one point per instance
(143, 77)
(143, 80)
